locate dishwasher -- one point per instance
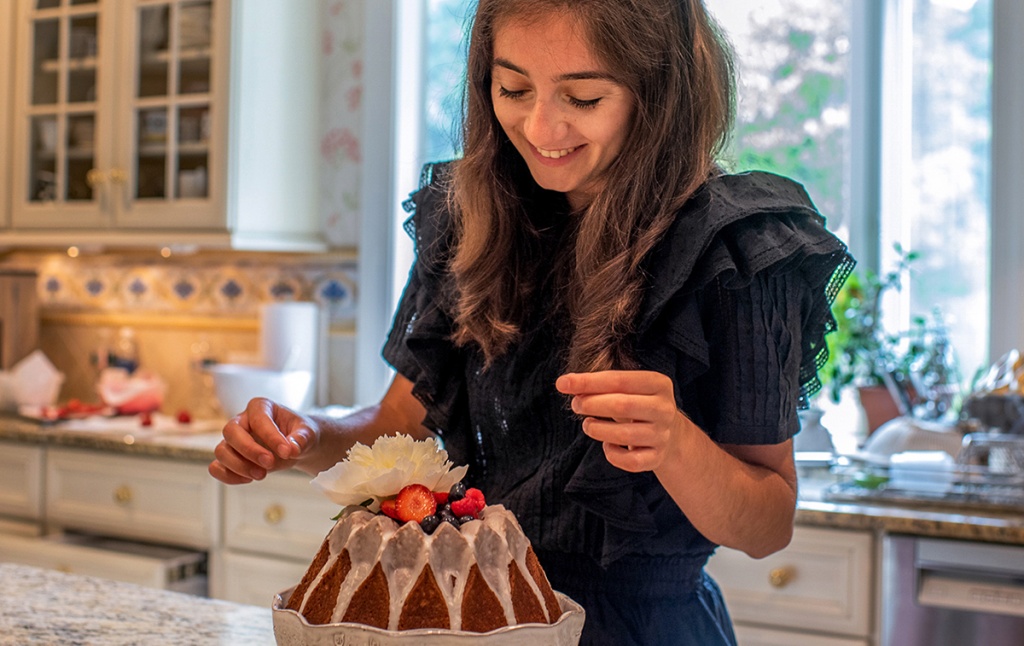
(942, 592)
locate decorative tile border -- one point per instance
(235, 286)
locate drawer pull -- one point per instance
(780, 577)
(123, 495)
(273, 514)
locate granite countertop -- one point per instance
(47, 607)
(196, 443)
(165, 438)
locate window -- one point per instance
(883, 109)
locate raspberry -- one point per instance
(441, 497)
(184, 417)
(415, 502)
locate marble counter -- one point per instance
(46, 607)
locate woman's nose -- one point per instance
(545, 124)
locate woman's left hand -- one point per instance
(633, 413)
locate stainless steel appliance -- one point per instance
(942, 592)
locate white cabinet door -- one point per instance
(166, 501)
(759, 636)
(823, 581)
(246, 578)
(280, 516)
(21, 480)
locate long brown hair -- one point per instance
(674, 60)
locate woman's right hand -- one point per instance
(264, 437)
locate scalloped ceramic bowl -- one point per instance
(291, 629)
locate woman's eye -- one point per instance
(584, 104)
(510, 94)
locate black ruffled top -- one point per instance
(735, 311)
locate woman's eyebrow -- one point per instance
(569, 76)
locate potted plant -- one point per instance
(862, 354)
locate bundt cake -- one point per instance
(477, 577)
(419, 549)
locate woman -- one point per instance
(587, 266)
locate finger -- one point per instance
(623, 434)
(231, 468)
(632, 459)
(616, 406)
(260, 414)
(299, 436)
(643, 382)
(246, 445)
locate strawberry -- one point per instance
(469, 505)
(440, 497)
(146, 419)
(387, 507)
(184, 417)
(415, 502)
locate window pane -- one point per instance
(941, 205)
(793, 114)
(447, 36)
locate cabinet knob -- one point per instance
(123, 495)
(781, 576)
(95, 177)
(273, 514)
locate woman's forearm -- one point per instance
(746, 504)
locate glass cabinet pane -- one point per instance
(151, 169)
(47, 4)
(43, 164)
(80, 155)
(154, 58)
(83, 47)
(45, 62)
(193, 136)
(194, 42)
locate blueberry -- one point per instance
(430, 523)
(465, 519)
(457, 492)
(447, 516)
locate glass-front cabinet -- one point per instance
(114, 108)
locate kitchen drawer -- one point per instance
(247, 578)
(164, 501)
(758, 636)
(21, 480)
(280, 516)
(821, 582)
(153, 566)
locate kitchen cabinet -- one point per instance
(819, 590)
(21, 482)
(6, 66)
(155, 122)
(142, 498)
(272, 530)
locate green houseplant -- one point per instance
(861, 351)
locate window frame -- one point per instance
(393, 136)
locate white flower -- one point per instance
(379, 472)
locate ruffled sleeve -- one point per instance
(419, 346)
(736, 311)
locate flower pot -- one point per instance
(878, 404)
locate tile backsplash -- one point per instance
(185, 310)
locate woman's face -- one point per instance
(557, 104)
